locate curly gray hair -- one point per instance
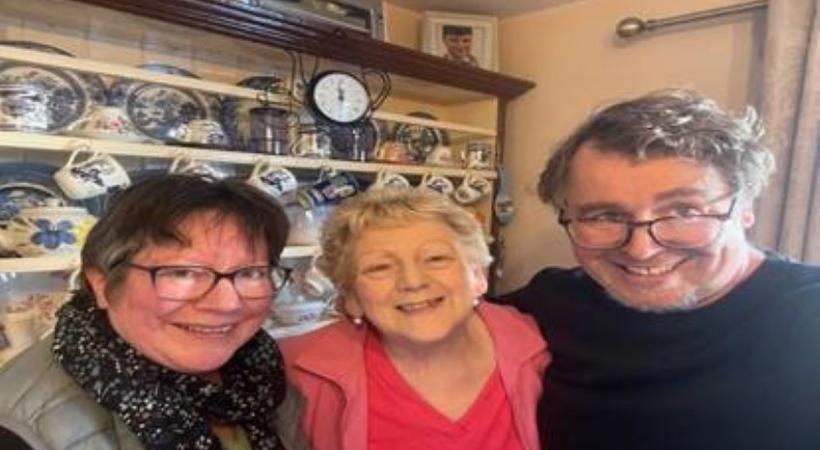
(386, 207)
(673, 122)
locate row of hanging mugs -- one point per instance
(88, 174)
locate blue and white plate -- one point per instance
(25, 184)
(91, 82)
(67, 100)
(157, 109)
(420, 140)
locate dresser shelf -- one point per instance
(12, 140)
(67, 262)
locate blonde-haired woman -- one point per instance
(421, 363)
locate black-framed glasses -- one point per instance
(675, 232)
(186, 283)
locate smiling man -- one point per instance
(675, 332)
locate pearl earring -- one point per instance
(357, 321)
(476, 302)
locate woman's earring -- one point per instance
(357, 321)
(476, 302)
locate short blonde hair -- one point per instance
(386, 207)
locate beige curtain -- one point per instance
(788, 217)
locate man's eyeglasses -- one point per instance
(186, 283)
(675, 232)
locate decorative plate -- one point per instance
(342, 140)
(418, 139)
(25, 184)
(157, 109)
(67, 100)
(92, 83)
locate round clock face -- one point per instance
(339, 97)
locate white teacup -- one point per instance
(106, 122)
(472, 189)
(389, 179)
(274, 180)
(442, 155)
(201, 132)
(477, 155)
(184, 165)
(97, 174)
(298, 313)
(47, 230)
(438, 183)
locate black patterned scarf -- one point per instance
(168, 410)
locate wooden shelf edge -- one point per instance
(71, 261)
(45, 142)
(265, 27)
(120, 70)
(40, 263)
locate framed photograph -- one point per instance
(465, 38)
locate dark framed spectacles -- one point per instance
(674, 232)
(187, 283)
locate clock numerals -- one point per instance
(339, 97)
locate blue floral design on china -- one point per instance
(67, 101)
(15, 196)
(93, 84)
(53, 236)
(157, 109)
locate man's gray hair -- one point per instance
(668, 123)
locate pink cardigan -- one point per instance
(327, 366)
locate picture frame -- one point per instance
(466, 38)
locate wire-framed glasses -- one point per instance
(187, 283)
(676, 232)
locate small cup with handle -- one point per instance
(389, 179)
(185, 165)
(472, 189)
(331, 188)
(272, 179)
(437, 183)
(95, 174)
(106, 122)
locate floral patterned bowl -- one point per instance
(47, 230)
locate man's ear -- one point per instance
(747, 215)
(98, 284)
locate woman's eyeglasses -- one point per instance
(186, 283)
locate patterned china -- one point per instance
(23, 107)
(47, 230)
(68, 93)
(157, 109)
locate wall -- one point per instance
(571, 53)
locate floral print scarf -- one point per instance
(168, 410)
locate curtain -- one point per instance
(788, 215)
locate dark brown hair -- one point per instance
(150, 211)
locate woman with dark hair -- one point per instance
(161, 348)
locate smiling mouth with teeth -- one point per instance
(418, 306)
(216, 331)
(649, 271)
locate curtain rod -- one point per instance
(634, 26)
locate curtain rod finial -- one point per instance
(630, 27)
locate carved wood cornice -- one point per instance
(347, 46)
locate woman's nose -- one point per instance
(222, 297)
(412, 277)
